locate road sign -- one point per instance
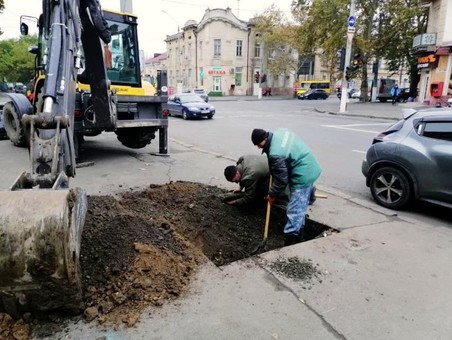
(350, 29)
(351, 21)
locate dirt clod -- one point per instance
(294, 268)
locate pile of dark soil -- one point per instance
(141, 248)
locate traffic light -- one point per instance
(348, 73)
(256, 77)
(357, 61)
(340, 59)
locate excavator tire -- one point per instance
(136, 138)
(14, 128)
(39, 250)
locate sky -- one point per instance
(153, 24)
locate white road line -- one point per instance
(365, 124)
(359, 151)
(350, 129)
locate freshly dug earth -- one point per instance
(141, 248)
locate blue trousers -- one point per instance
(296, 209)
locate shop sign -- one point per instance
(427, 61)
(216, 72)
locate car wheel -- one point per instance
(390, 188)
(209, 116)
(184, 114)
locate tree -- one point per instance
(321, 30)
(276, 35)
(16, 63)
(384, 29)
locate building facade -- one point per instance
(434, 55)
(220, 54)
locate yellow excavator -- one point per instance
(87, 81)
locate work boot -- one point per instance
(294, 238)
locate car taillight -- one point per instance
(77, 113)
(165, 112)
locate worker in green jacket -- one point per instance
(291, 163)
(252, 174)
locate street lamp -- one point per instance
(179, 52)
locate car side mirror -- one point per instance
(23, 28)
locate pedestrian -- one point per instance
(395, 93)
(291, 163)
(252, 174)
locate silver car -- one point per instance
(412, 159)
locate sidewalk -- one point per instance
(381, 277)
(372, 110)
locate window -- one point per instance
(217, 47)
(438, 130)
(257, 50)
(123, 64)
(238, 76)
(238, 49)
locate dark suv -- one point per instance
(406, 93)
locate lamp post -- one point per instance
(179, 52)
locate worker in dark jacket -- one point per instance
(252, 174)
(291, 163)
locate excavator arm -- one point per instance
(41, 219)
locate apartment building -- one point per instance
(434, 54)
(222, 54)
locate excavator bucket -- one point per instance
(40, 237)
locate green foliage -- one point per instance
(16, 63)
(215, 94)
(277, 36)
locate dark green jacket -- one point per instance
(291, 162)
(254, 176)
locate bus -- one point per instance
(306, 85)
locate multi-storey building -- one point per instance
(220, 54)
(434, 54)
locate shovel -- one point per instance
(261, 246)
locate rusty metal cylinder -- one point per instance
(40, 237)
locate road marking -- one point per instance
(347, 127)
(359, 151)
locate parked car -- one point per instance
(405, 94)
(20, 88)
(200, 92)
(412, 159)
(349, 92)
(188, 105)
(313, 94)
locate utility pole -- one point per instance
(348, 52)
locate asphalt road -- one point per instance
(339, 143)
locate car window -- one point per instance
(191, 99)
(199, 91)
(437, 130)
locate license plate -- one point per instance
(205, 111)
